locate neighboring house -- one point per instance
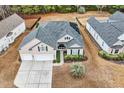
(109, 33)
(10, 28)
(42, 43)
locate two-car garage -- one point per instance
(35, 71)
(37, 57)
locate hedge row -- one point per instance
(74, 58)
(115, 57)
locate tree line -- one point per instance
(35, 9)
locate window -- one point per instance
(42, 48)
(9, 34)
(67, 38)
(61, 46)
(116, 51)
(102, 43)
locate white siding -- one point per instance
(74, 51)
(81, 51)
(68, 51)
(16, 32)
(98, 39)
(4, 43)
(50, 49)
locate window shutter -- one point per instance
(46, 48)
(78, 51)
(71, 51)
(38, 48)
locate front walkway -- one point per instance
(61, 57)
(34, 75)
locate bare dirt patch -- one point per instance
(100, 72)
(9, 63)
(30, 22)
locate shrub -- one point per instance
(77, 70)
(81, 10)
(73, 57)
(66, 9)
(116, 57)
(91, 8)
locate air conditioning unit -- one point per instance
(5, 49)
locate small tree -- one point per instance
(77, 70)
(100, 7)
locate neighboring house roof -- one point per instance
(9, 24)
(50, 32)
(117, 16)
(108, 31)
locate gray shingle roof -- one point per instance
(117, 16)
(28, 38)
(109, 31)
(9, 24)
(49, 32)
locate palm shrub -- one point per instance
(81, 10)
(77, 70)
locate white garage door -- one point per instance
(26, 57)
(43, 57)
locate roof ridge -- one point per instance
(115, 27)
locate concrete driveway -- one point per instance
(34, 75)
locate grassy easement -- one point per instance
(57, 56)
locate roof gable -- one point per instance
(30, 44)
(64, 38)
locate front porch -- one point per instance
(70, 55)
